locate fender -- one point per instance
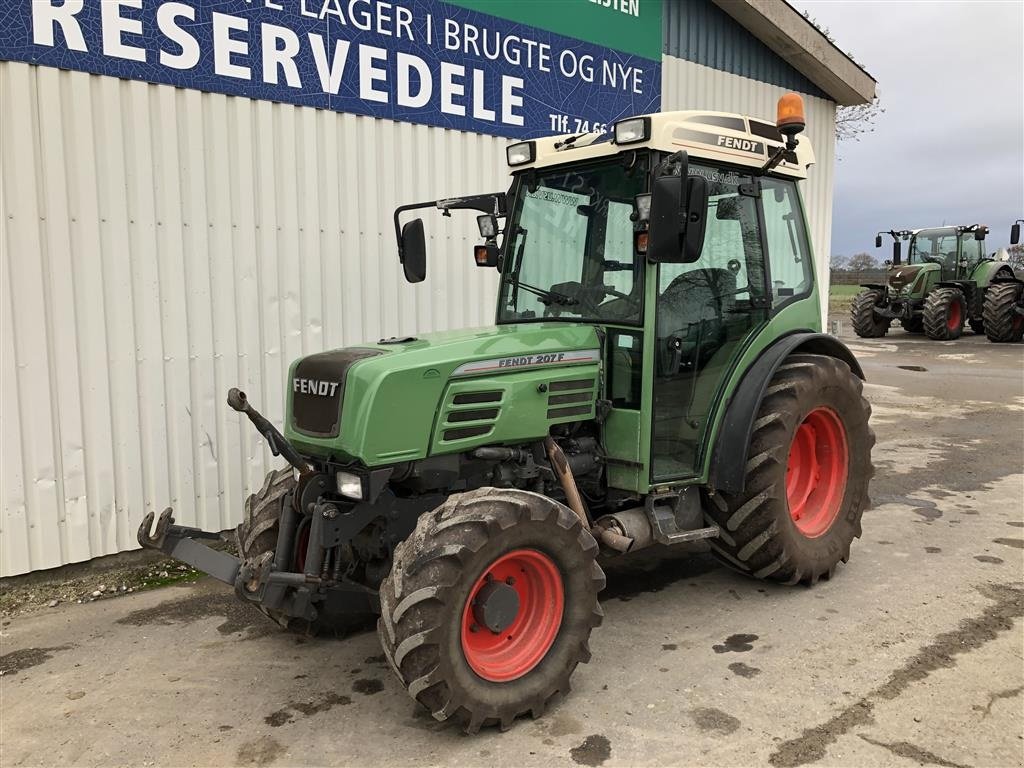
(875, 286)
(729, 458)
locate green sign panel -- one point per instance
(632, 26)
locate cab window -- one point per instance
(789, 253)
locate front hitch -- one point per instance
(179, 541)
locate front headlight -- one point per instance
(350, 485)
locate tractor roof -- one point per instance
(721, 137)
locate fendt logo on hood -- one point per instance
(314, 387)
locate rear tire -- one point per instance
(866, 323)
(807, 476)
(429, 599)
(944, 312)
(1002, 322)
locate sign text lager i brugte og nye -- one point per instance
(518, 70)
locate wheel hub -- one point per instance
(512, 615)
(496, 606)
(816, 472)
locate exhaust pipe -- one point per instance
(625, 531)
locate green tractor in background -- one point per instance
(656, 374)
(1004, 302)
(939, 289)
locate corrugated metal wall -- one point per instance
(686, 85)
(163, 245)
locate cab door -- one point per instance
(706, 313)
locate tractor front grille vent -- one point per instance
(571, 398)
(471, 421)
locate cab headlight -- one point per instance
(632, 130)
(521, 153)
(350, 485)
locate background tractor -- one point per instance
(655, 375)
(1004, 302)
(940, 288)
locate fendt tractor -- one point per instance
(655, 375)
(1004, 302)
(940, 288)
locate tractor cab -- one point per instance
(955, 250)
(677, 237)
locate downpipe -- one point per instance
(621, 532)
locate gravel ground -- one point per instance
(911, 656)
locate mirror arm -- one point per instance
(398, 225)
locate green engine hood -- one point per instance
(445, 392)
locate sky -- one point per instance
(950, 146)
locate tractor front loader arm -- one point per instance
(179, 541)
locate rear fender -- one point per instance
(729, 458)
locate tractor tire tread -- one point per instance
(762, 541)
(936, 313)
(1001, 300)
(865, 322)
(425, 587)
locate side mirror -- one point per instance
(413, 251)
(1015, 234)
(696, 218)
(486, 255)
(663, 242)
(897, 247)
(878, 241)
(980, 232)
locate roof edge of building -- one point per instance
(783, 29)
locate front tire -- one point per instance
(1003, 323)
(807, 475)
(866, 323)
(489, 606)
(944, 312)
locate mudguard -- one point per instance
(729, 458)
(875, 286)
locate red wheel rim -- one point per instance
(953, 320)
(519, 647)
(816, 472)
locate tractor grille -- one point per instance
(318, 388)
(571, 399)
(472, 414)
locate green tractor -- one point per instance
(939, 289)
(656, 375)
(1004, 302)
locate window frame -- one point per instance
(780, 303)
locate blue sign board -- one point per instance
(421, 61)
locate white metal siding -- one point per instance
(163, 245)
(686, 85)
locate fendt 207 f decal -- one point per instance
(528, 361)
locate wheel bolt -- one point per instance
(474, 628)
(510, 580)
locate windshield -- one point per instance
(568, 249)
(935, 246)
